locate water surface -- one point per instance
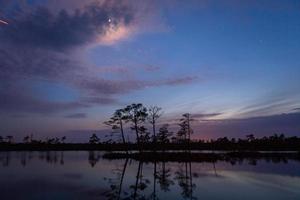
(86, 175)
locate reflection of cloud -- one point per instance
(75, 176)
(37, 188)
(273, 181)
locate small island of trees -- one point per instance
(152, 135)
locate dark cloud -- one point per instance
(76, 116)
(42, 28)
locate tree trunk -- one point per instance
(122, 131)
(137, 180)
(154, 181)
(154, 132)
(136, 132)
(122, 178)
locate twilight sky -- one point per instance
(66, 65)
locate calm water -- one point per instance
(85, 175)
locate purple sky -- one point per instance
(66, 65)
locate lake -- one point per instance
(80, 175)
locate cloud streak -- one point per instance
(76, 116)
(259, 126)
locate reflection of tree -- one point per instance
(51, 157)
(185, 180)
(115, 191)
(62, 162)
(163, 176)
(140, 184)
(23, 158)
(93, 158)
(154, 181)
(5, 158)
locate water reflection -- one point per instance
(87, 175)
(57, 157)
(182, 176)
(51, 157)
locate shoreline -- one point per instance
(145, 148)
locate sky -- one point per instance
(66, 65)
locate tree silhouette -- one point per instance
(185, 130)
(1, 139)
(184, 178)
(63, 139)
(163, 176)
(94, 139)
(144, 135)
(164, 134)
(136, 114)
(9, 139)
(154, 113)
(93, 158)
(116, 122)
(56, 140)
(140, 185)
(26, 139)
(250, 137)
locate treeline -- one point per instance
(139, 118)
(28, 139)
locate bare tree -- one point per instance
(116, 122)
(94, 139)
(164, 134)
(154, 113)
(136, 114)
(185, 127)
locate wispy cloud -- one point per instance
(76, 116)
(205, 115)
(259, 126)
(47, 41)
